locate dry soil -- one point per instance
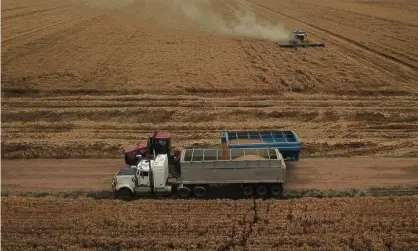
(50, 175)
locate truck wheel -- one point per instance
(276, 190)
(184, 192)
(199, 192)
(247, 190)
(262, 190)
(124, 194)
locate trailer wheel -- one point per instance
(199, 192)
(276, 190)
(262, 190)
(184, 192)
(247, 190)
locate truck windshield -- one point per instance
(127, 171)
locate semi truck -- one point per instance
(250, 172)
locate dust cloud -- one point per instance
(242, 24)
(199, 15)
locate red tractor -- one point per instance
(159, 143)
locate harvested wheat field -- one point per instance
(305, 224)
(85, 78)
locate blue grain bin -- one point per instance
(287, 142)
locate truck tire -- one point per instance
(184, 192)
(262, 190)
(276, 190)
(124, 194)
(199, 191)
(247, 190)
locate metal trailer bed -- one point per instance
(215, 166)
(287, 142)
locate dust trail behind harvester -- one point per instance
(242, 24)
(200, 15)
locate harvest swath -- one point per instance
(305, 224)
(100, 126)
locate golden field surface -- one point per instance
(85, 78)
(380, 224)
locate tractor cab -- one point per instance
(160, 142)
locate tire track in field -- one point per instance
(245, 44)
(5, 7)
(218, 102)
(257, 55)
(359, 55)
(358, 13)
(384, 44)
(113, 59)
(270, 57)
(55, 34)
(39, 11)
(215, 104)
(40, 32)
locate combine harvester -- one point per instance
(299, 39)
(252, 163)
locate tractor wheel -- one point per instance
(247, 190)
(199, 191)
(276, 190)
(184, 192)
(262, 190)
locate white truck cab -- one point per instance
(149, 176)
(142, 173)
